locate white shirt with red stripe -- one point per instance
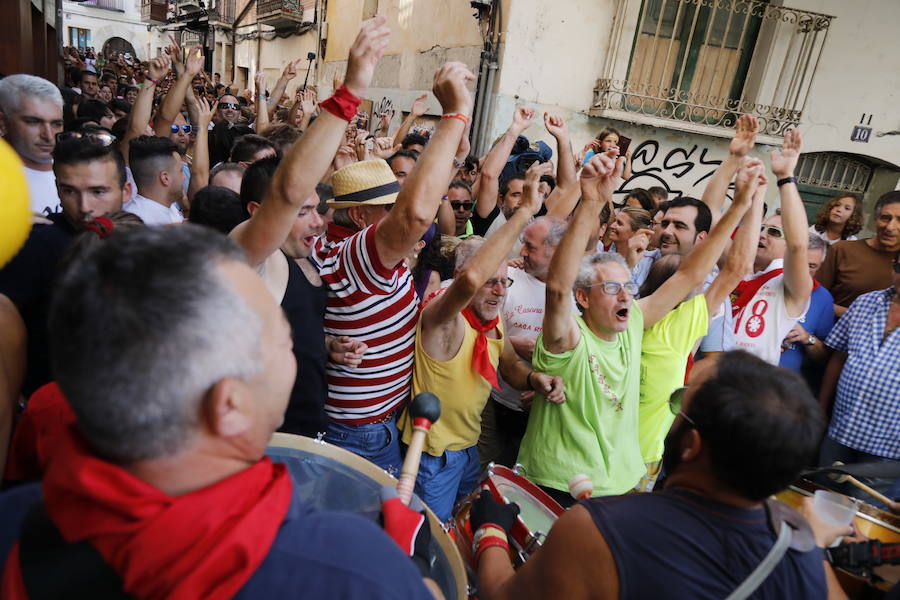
(762, 325)
(373, 304)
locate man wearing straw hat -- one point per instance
(371, 297)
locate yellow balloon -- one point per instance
(15, 214)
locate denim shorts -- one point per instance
(446, 479)
(377, 442)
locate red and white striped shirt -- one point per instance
(373, 304)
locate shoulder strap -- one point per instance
(53, 568)
(764, 568)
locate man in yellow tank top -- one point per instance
(459, 345)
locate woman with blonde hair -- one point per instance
(839, 219)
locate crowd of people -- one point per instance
(208, 266)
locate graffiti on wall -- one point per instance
(683, 171)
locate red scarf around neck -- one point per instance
(205, 544)
(745, 290)
(481, 359)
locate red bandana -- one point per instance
(745, 290)
(481, 359)
(205, 544)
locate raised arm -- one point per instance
(173, 100)
(557, 127)
(289, 73)
(262, 111)
(598, 180)
(745, 132)
(751, 181)
(420, 196)
(695, 266)
(488, 190)
(139, 117)
(200, 163)
(310, 157)
(418, 109)
(487, 259)
(308, 106)
(797, 282)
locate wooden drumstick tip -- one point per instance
(424, 410)
(843, 477)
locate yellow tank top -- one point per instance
(463, 393)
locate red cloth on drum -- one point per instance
(481, 359)
(205, 544)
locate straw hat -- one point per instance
(368, 182)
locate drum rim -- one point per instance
(298, 442)
(864, 509)
(527, 485)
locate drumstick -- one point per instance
(424, 411)
(843, 477)
(580, 487)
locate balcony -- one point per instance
(154, 11)
(190, 6)
(222, 12)
(279, 13)
(105, 4)
(697, 65)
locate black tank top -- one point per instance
(675, 544)
(304, 307)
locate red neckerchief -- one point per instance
(205, 544)
(481, 359)
(815, 284)
(46, 413)
(745, 290)
(336, 233)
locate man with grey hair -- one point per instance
(598, 354)
(160, 487)
(505, 415)
(31, 114)
(460, 343)
(804, 349)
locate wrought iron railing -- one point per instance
(833, 171)
(105, 4)
(286, 6)
(707, 61)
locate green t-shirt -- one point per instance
(595, 431)
(664, 354)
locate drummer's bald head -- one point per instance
(759, 423)
(141, 327)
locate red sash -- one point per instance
(745, 290)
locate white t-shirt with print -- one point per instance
(43, 197)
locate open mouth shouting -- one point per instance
(622, 314)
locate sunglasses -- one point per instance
(100, 137)
(675, 401)
(231, 105)
(612, 288)
(462, 205)
(772, 232)
(184, 128)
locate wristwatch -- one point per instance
(811, 341)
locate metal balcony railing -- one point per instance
(707, 61)
(292, 7)
(105, 4)
(154, 11)
(223, 11)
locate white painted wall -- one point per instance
(104, 24)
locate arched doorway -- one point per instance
(117, 44)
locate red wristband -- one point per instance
(342, 104)
(490, 542)
(459, 116)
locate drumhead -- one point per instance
(331, 478)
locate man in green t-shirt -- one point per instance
(595, 432)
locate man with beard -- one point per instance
(226, 130)
(90, 180)
(744, 431)
(505, 416)
(460, 343)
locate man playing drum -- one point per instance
(744, 431)
(459, 345)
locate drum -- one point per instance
(538, 512)
(331, 478)
(871, 522)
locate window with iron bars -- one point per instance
(705, 62)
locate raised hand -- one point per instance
(308, 101)
(290, 70)
(745, 131)
(556, 126)
(532, 199)
(419, 107)
(522, 118)
(205, 112)
(747, 179)
(345, 155)
(384, 147)
(159, 67)
(783, 163)
(194, 61)
(600, 176)
(174, 51)
(638, 242)
(450, 88)
(260, 81)
(366, 51)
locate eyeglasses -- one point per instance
(184, 128)
(675, 402)
(613, 287)
(504, 283)
(462, 205)
(98, 137)
(772, 232)
(231, 105)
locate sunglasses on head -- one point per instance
(675, 405)
(184, 128)
(462, 205)
(772, 232)
(99, 137)
(231, 105)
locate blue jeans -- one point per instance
(830, 451)
(444, 480)
(376, 442)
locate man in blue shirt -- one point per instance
(865, 424)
